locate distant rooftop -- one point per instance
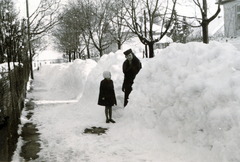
(224, 1)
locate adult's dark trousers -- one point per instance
(128, 90)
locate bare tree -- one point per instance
(12, 34)
(12, 51)
(203, 21)
(180, 29)
(92, 20)
(41, 21)
(203, 7)
(155, 9)
(67, 36)
(82, 10)
(98, 25)
(119, 30)
(44, 18)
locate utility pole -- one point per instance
(29, 41)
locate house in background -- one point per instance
(47, 57)
(231, 18)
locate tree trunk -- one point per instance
(101, 52)
(69, 56)
(205, 33)
(31, 68)
(1, 54)
(151, 50)
(205, 23)
(146, 52)
(74, 55)
(119, 45)
(88, 53)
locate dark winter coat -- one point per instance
(130, 71)
(106, 93)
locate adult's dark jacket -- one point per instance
(131, 70)
(106, 93)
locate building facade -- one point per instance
(231, 18)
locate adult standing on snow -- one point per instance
(131, 67)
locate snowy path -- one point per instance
(62, 139)
(184, 107)
(61, 124)
(39, 102)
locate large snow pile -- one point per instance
(192, 93)
(189, 92)
(184, 107)
(64, 81)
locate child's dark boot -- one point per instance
(112, 121)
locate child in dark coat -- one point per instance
(107, 96)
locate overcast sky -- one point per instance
(184, 7)
(188, 8)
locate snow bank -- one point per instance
(111, 62)
(183, 107)
(67, 79)
(188, 92)
(191, 93)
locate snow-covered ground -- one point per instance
(184, 107)
(234, 41)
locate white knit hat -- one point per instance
(107, 74)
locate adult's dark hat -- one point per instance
(127, 52)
